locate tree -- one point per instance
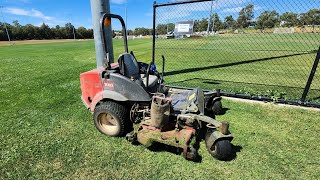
(229, 22)
(17, 31)
(201, 25)
(45, 32)
(30, 31)
(312, 18)
(217, 25)
(69, 28)
(246, 15)
(267, 19)
(289, 19)
(142, 31)
(16, 23)
(2, 35)
(82, 32)
(161, 29)
(130, 32)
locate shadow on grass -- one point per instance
(235, 149)
(224, 111)
(190, 70)
(158, 147)
(223, 82)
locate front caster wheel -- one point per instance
(220, 149)
(109, 118)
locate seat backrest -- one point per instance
(129, 66)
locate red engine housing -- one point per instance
(91, 85)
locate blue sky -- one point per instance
(78, 12)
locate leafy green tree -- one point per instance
(290, 19)
(130, 32)
(267, 19)
(217, 25)
(229, 22)
(30, 31)
(45, 32)
(82, 32)
(246, 15)
(201, 25)
(312, 17)
(142, 31)
(2, 34)
(161, 29)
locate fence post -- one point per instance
(312, 73)
(154, 32)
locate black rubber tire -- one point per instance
(119, 115)
(217, 108)
(221, 149)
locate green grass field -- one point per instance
(46, 132)
(272, 64)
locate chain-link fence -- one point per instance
(262, 49)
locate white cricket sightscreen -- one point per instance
(184, 28)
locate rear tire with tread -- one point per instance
(110, 118)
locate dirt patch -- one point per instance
(6, 43)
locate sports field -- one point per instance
(260, 64)
(46, 132)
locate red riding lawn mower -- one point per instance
(129, 98)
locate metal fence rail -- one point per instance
(266, 50)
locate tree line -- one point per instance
(31, 32)
(267, 19)
(246, 18)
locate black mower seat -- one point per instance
(153, 80)
(129, 66)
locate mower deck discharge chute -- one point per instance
(129, 98)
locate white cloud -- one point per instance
(238, 9)
(51, 21)
(31, 13)
(199, 10)
(118, 1)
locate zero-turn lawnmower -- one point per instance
(129, 98)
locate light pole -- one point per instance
(213, 23)
(208, 29)
(74, 34)
(214, 18)
(5, 25)
(125, 13)
(98, 8)
(73, 28)
(126, 16)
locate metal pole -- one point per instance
(5, 25)
(154, 32)
(208, 29)
(126, 14)
(213, 23)
(98, 8)
(214, 18)
(74, 34)
(312, 73)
